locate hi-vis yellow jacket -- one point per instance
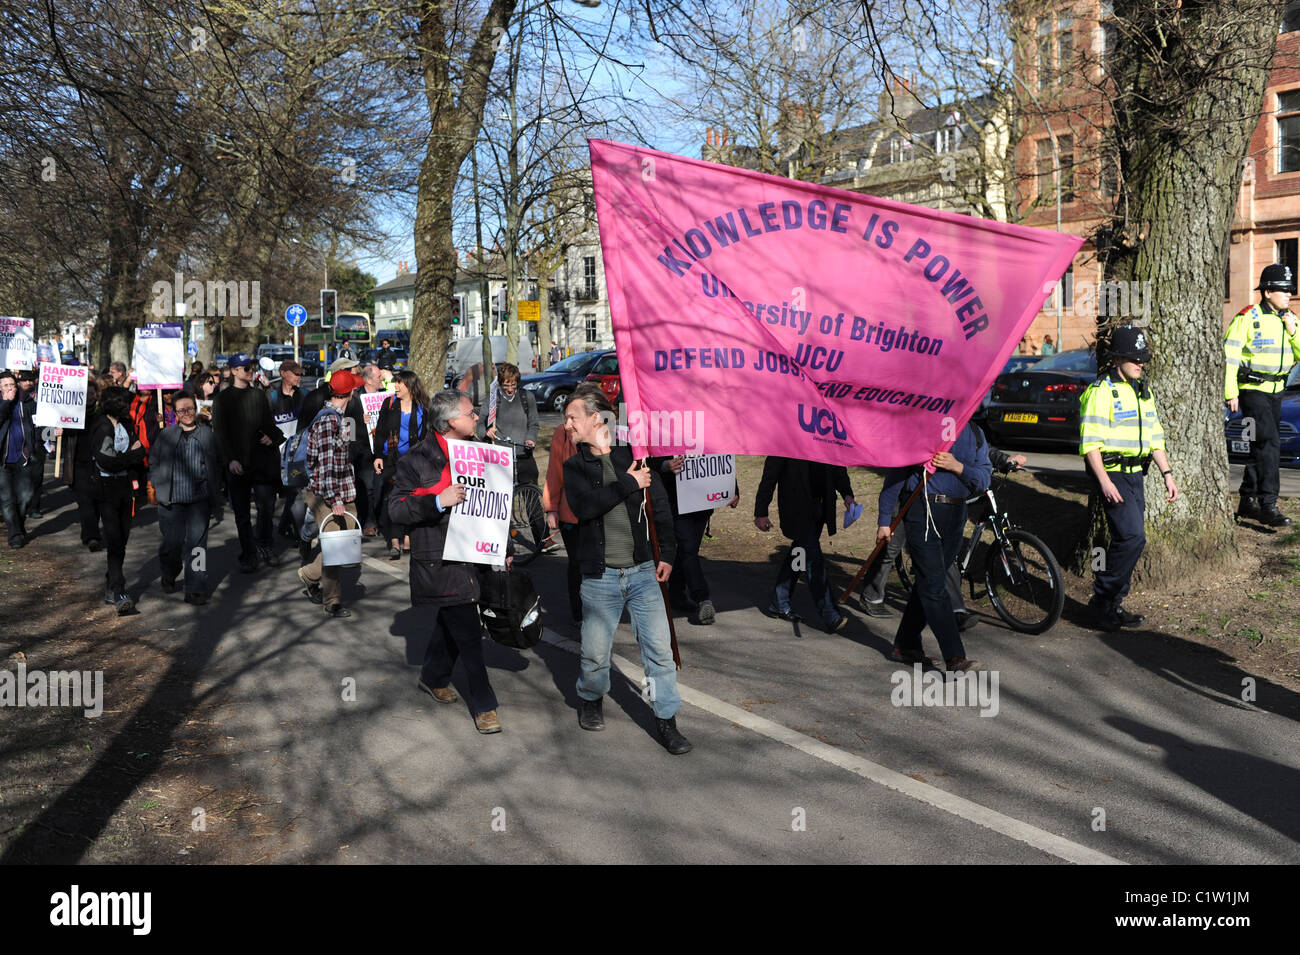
(1259, 339)
(1113, 418)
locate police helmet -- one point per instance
(1276, 278)
(1129, 342)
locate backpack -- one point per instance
(293, 456)
(510, 608)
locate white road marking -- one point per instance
(956, 805)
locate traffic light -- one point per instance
(329, 300)
(455, 309)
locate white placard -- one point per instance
(17, 343)
(705, 481)
(286, 421)
(61, 396)
(159, 357)
(45, 351)
(371, 404)
(479, 527)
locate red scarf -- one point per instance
(444, 479)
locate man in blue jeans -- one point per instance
(607, 492)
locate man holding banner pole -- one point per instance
(934, 525)
(606, 490)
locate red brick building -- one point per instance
(1060, 60)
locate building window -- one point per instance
(1064, 48)
(1055, 50)
(1288, 131)
(1109, 176)
(900, 149)
(589, 276)
(1291, 18)
(590, 322)
(1109, 38)
(1044, 53)
(1046, 168)
(1287, 252)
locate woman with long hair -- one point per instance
(403, 422)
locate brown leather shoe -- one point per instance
(487, 722)
(962, 665)
(443, 694)
(912, 657)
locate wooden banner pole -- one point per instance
(880, 545)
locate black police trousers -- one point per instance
(1128, 537)
(1261, 477)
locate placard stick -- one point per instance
(880, 545)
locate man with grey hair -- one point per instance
(422, 497)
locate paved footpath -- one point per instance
(800, 755)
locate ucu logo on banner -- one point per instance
(717, 496)
(821, 421)
(487, 547)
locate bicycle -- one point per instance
(1021, 575)
(528, 527)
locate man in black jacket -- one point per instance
(18, 439)
(607, 492)
(806, 499)
(422, 498)
(249, 441)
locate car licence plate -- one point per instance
(1240, 447)
(1020, 417)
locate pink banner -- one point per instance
(760, 315)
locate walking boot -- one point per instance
(1271, 516)
(1248, 508)
(672, 740)
(590, 716)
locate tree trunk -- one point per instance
(456, 112)
(1191, 82)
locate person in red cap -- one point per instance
(331, 491)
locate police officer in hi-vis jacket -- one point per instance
(1262, 347)
(1120, 435)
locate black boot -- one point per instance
(590, 716)
(673, 741)
(268, 556)
(1248, 508)
(1270, 515)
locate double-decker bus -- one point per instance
(353, 327)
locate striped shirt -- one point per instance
(189, 470)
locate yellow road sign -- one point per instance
(530, 311)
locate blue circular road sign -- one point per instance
(295, 315)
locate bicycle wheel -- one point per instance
(1025, 583)
(527, 523)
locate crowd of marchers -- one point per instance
(218, 441)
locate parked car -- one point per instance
(1040, 405)
(551, 388)
(1014, 363)
(605, 373)
(1288, 428)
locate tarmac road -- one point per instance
(1133, 747)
